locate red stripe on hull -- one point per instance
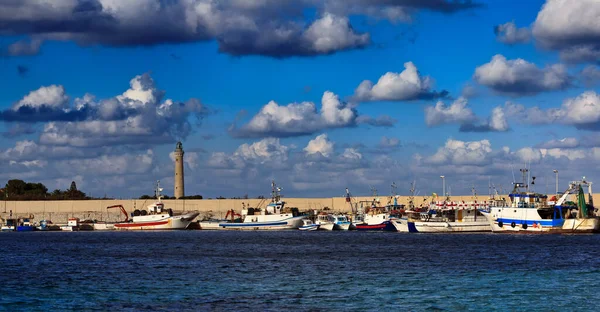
(371, 227)
(141, 224)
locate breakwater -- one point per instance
(60, 211)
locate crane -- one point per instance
(122, 210)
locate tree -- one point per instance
(15, 187)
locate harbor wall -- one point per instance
(60, 211)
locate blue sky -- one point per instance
(489, 86)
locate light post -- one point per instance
(443, 185)
(556, 174)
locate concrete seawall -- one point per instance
(60, 211)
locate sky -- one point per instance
(319, 96)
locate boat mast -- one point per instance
(411, 198)
(158, 190)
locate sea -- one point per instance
(297, 271)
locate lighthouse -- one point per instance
(179, 187)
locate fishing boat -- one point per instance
(275, 216)
(447, 216)
(214, 224)
(308, 225)
(47, 225)
(9, 225)
(340, 222)
(155, 217)
(370, 215)
(26, 226)
(325, 221)
(530, 212)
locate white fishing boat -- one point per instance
(530, 212)
(308, 225)
(155, 217)
(325, 221)
(275, 216)
(340, 222)
(447, 216)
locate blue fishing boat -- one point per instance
(530, 212)
(26, 226)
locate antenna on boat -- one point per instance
(158, 190)
(411, 198)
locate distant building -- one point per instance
(179, 185)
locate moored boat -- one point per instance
(340, 222)
(530, 212)
(325, 221)
(275, 216)
(155, 217)
(26, 226)
(308, 225)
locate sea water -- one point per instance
(294, 270)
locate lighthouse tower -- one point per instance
(179, 188)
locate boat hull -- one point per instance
(291, 223)
(309, 227)
(384, 226)
(179, 222)
(401, 225)
(25, 228)
(342, 226)
(543, 226)
(448, 227)
(326, 226)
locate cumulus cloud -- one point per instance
(457, 112)
(582, 111)
(460, 113)
(508, 33)
(519, 77)
(319, 145)
(267, 27)
(561, 143)
(139, 115)
(570, 27)
(266, 152)
(297, 119)
(52, 96)
(458, 152)
(405, 86)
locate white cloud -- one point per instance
(528, 155)
(508, 33)
(571, 27)
(562, 143)
(352, 154)
(498, 120)
(319, 145)
(458, 152)
(296, 119)
(331, 33)
(404, 86)
(52, 96)
(136, 117)
(457, 112)
(519, 77)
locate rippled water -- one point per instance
(305, 271)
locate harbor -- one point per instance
(520, 211)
